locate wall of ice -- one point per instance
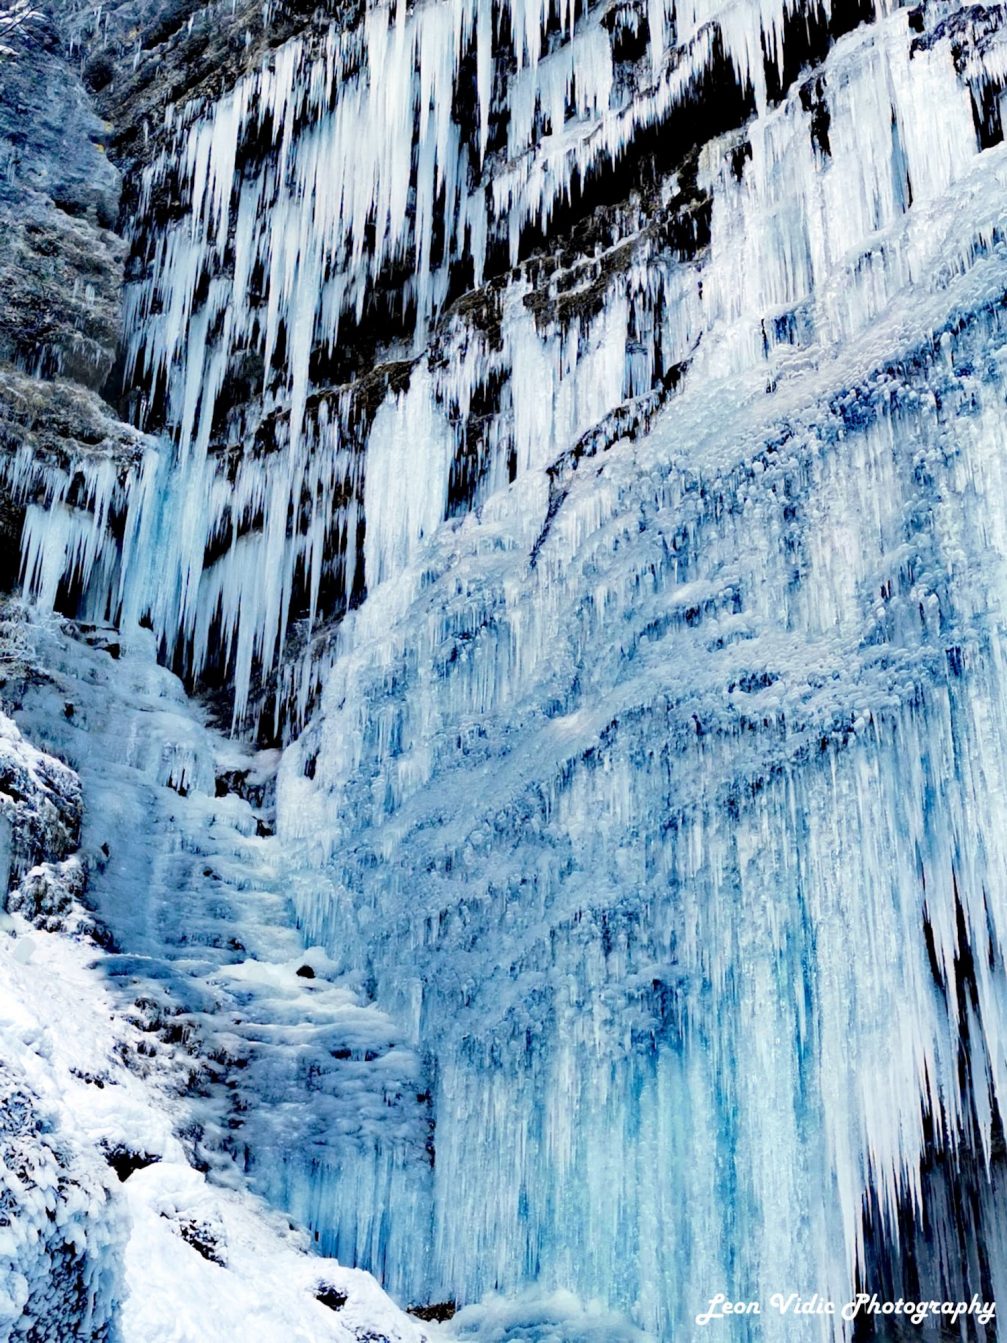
(641, 843)
(443, 199)
(644, 787)
(582, 427)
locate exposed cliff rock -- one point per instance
(61, 276)
(141, 58)
(61, 270)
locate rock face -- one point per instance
(61, 276)
(61, 271)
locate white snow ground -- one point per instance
(61, 1031)
(168, 1255)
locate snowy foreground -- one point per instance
(109, 1229)
(110, 1120)
(170, 1257)
(197, 1262)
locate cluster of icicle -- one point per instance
(278, 254)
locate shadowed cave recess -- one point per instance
(507, 505)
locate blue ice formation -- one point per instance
(611, 533)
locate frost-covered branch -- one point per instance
(13, 18)
(15, 648)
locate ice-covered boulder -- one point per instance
(62, 1233)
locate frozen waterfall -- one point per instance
(575, 435)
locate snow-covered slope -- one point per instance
(163, 1256)
(112, 1108)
